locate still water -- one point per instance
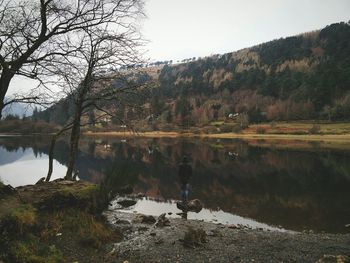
(306, 189)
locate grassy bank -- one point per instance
(53, 222)
(328, 132)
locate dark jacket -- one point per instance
(185, 173)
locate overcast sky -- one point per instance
(179, 29)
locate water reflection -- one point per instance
(295, 189)
(150, 206)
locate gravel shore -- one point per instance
(196, 241)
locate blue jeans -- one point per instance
(184, 192)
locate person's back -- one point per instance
(185, 173)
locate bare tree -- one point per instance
(84, 75)
(33, 34)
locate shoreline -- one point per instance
(253, 136)
(197, 241)
(53, 207)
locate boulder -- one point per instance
(194, 205)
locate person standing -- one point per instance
(185, 173)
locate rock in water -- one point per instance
(195, 205)
(126, 202)
(191, 206)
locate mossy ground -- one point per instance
(53, 222)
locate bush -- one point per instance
(226, 128)
(209, 130)
(237, 128)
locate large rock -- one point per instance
(191, 206)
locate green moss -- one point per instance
(32, 251)
(79, 224)
(84, 192)
(217, 123)
(23, 217)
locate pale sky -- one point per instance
(179, 29)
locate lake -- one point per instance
(238, 182)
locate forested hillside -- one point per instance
(294, 78)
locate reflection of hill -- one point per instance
(289, 188)
(10, 157)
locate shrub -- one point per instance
(237, 128)
(226, 128)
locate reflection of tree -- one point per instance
(290, 188)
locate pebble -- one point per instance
(348, 225)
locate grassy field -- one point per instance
(299, 128)
(278, 130)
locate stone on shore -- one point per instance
(144, 219)
(162, 221)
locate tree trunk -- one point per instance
(5, 80)
(75, 132)
(52, 147)
(74, 141)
